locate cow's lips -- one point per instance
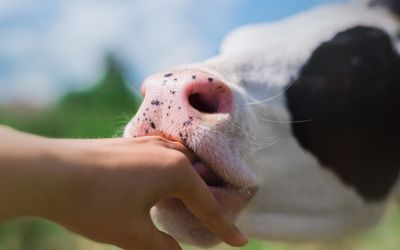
(229, 195)
(215, 182)
(208, 176)
(176, 219)
(207, 173)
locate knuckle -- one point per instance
(214, 217)
(185, 190)
(157, 139)
(210, 221)
(150, 139)
(177, 159)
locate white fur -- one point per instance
(298, 199)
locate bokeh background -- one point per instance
(73, 69)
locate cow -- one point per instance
(295, 124)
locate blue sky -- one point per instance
(50, 46)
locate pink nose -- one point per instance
(181, 99)
(193, 89)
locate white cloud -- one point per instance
(61, 44)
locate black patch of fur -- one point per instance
(392, 5)
(350, 89)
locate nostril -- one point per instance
(203, 104)
(210, 99)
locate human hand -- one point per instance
(109, 186)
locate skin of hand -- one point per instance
(104, 188)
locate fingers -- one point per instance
(183, 149)
(176, 145)
(132, 141)
(201, 202)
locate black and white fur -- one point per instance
(321, 96)
(327, 85)
(317, 120)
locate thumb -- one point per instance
(203, 205)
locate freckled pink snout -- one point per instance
(179, 100)
(193, 89)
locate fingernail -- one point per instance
(239, 238)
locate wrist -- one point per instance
(68, 188)
(60, 178)
(52, 177)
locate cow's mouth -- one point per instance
(175, 218)
(209, 176)
(215, 181)
(223, 186)
(207, 173)
(206, 167)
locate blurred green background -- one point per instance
(102, 111)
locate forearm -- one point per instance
(28, 174)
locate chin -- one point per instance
(174, 218)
